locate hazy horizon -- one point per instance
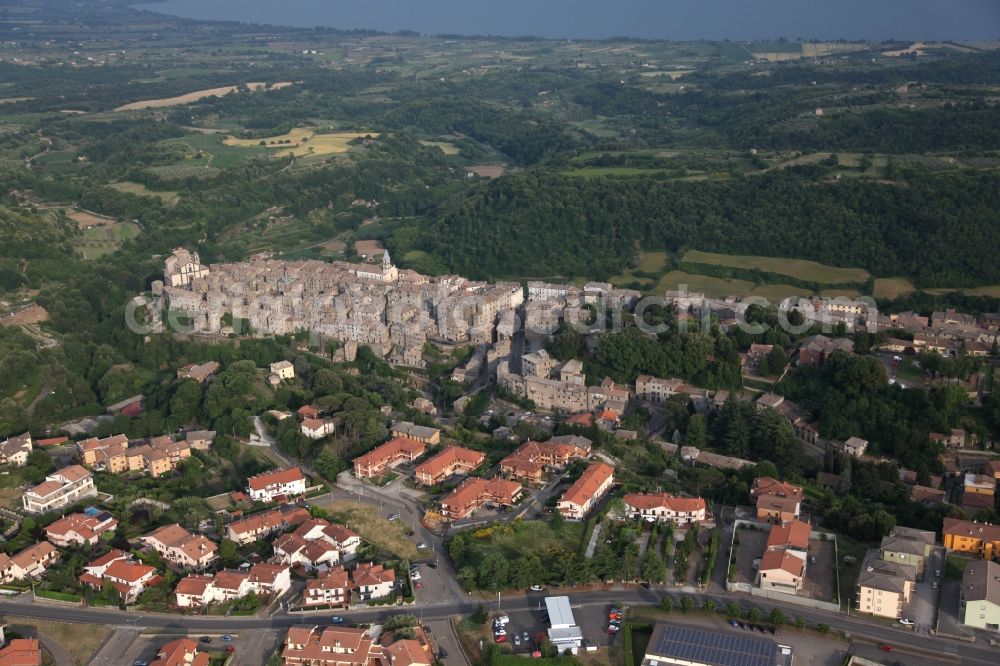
(957, 20)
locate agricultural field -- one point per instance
(369, 248)
(167, 197)
(599, 172)
(86, 220)
(809, 271)
(181, 171)
(302, 142)
(103, 240)
(195, 96)
(488, 171)
(649, 262)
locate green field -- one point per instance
(714, 287)
(99, 241)
(446, 147)
(649, 262)
(167, 197)
(597, 172)
(809, 271)
(893, 287)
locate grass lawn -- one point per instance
(809, 271)
(992, 290)
(777, 292)
(80, 640)
(366, 521)
(712, 287)
(908, 370)
(893, 287)
(955, 566)
(301, 142)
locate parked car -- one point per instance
(502, 619)
(227, 637)
(432, 565)
(140, 662)
(418, 586)
(536, 588)
(230, 649)
(734, 623)
(205, 639)
(526, 638)
(937, 573)
(500, 638)
(336, 619)
(414, 575)
(934, 585)
(421, 546)
(886, 648)
(906, 622)
(517, 640)
(393, 517)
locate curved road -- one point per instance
(977, 653)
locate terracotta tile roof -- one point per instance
(370, 574)
(309, 412)
(72, 473)
(353, 646)
(21, 652)
(266, 574)
(281, 476)
(230, 579)
(182, 652)
(476, 491)
(969, 529)
(782, 559)
(339, 533)
(336, 578)
(35, 553)
(447, 459)
(665, 501)
(588, 484)
(391, 450)
(85, 526)
(130, 572)
(406, 653)
(194, 585)
(313, 424)
(194, 546)
(794, 534)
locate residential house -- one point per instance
(530, 460)
(475, 492)
(284, 370)
(121, 571)
(777, 501)
(409, 652)
(20, 651)
(418, 433)
(373, 581)
(181, 548)
(854, 446)
(452, 460)
(952, 440)
(181, 652)
(60, 488)
(317, 543)
(200, 373)
(665, 508)
(587, 491)
(815, 350)
(80, 529)
(198, 590)
(980, 599)
(262, 525)
(905, 545)
(966, 536)
(783, 565)
(329, 646)
(317, 428)
(885, 588)
(286, 483)
(158, 456)
(200, 440)
(14, 451)
(309, 412)
(927, 495)
(754, 356)
(330, 588)
(656, 390)
(29, 563)
(380, 460)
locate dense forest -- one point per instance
(939, 229)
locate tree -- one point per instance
(755, 614)
(185, 402)
(667, 603)
(777, 617)
(697, 432)
(800, 623)
(687, 604)
(709, 605)
(823, 628)
(480, 615)
(733, 610)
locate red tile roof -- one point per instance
(280, 476)
(588, 484)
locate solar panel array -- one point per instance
(717, 649)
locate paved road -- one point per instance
(978, 653)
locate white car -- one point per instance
(536, 588)
(414, 575)
(906, 622)
(421, 546)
